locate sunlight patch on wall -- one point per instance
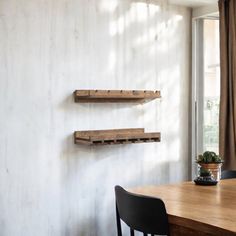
(117, 26)
(112, 60)
(153, 9)
(113, 28)
(138, 12)
(175, 147)
(120, 25)
(109, 5)
(141, 11)
(164, 31)
(178, 18)
(171, 149)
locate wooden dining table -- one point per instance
(195, 210)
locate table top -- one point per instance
(211, 208)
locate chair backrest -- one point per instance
(228, 174)
(141, 213)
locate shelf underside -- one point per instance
(115, 136)
(115, 95)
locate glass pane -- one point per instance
(211, 85)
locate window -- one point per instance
(205, 86)
(211, 85)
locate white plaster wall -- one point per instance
(49, 48)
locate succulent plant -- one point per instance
(204, 172)
(209, 157)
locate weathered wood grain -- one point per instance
(115, 95)
(198, 210)
(115, 136)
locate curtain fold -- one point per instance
(227, 123)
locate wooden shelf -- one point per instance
(115, 95)
(115, 136)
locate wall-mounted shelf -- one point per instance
(115, 136)
(115, 95)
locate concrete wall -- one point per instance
(49, 48)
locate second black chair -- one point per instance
(228, 174)
(145, 214)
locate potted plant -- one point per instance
(211, 162)
(205, 178)
(204, 173)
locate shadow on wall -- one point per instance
(90, 174)
(136, 47)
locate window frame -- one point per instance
(197, 87)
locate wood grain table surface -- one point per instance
(197, 210)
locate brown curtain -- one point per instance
(227, 142)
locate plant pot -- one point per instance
(215, 169)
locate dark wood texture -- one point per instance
(115, 95)
(198, 210)
(115, 136)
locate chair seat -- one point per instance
(228, 174)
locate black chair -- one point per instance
(145, 214)
(228, 174)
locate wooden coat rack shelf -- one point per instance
(115, 136)
(115, 95)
